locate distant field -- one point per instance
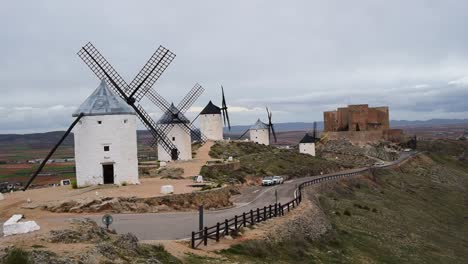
(21, 172)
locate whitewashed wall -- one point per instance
(211, 126)
(260, 136)
(90, 139)
(307, 148)
(181, 140)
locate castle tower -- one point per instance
(211, 123)
(173, 121)
(105, 140)
(260, 133)
(307, 145)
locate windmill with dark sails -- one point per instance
(211, 123)
(130, 94)
(307, 143)
(260, 132)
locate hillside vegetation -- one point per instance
(259, 160)
(411, 214)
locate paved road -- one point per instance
(179, 225)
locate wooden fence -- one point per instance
(254, 216)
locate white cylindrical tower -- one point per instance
(105, 140)
(260, 133)
(307, 145)
(179, 137)
(211, 123)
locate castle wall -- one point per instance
(357, 117)
(342, 119)
(356, 137)
(330, 121)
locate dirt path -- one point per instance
(193, 167)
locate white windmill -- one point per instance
(211, 123)
(307, 143)
(176, 126)
(175, 122)
(105, 140)
(260, 132)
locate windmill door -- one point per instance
(108, 173)
(174, 154)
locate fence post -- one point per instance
(244, 219)
(280, 210)
(235, 222)
(193, 239)
(217, 232)
(258, 214)
(264, 213)
(276, 209)
(226, 227)
(251, 217)
(269, 212)
(205, 238)
(288, 207)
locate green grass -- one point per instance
(414, 214)
(17, 256)
(259, 160)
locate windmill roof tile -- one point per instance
(259, 125)
(211, 108)
(308, 139)
(173, 116)
(103, 101)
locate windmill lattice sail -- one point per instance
(147, 76)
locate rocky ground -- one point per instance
(85, 243)
(351, 155)
(212, 199)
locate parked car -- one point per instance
(278, 180)
(267, 181)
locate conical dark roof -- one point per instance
(308, 139)
(173, 116)
(211, 109)
(103, 101)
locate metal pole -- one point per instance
(200, 217)
(52, 151)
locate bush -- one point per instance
(374, 210)
(347, 212)
(17, 256)
(74, 184)
(124, 183)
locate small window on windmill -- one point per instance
(106, 148)
(173, 138)
(99, 122)
(125, 121)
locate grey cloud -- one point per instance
(300, 57)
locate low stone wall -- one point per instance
(363, 137)
(211, 199)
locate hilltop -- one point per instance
(413, 213)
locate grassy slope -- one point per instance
(260, 160)
(418, 218)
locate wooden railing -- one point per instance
(254, 216)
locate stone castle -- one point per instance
(360, 123)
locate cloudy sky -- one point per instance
(297, 57)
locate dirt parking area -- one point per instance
(28, 202)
